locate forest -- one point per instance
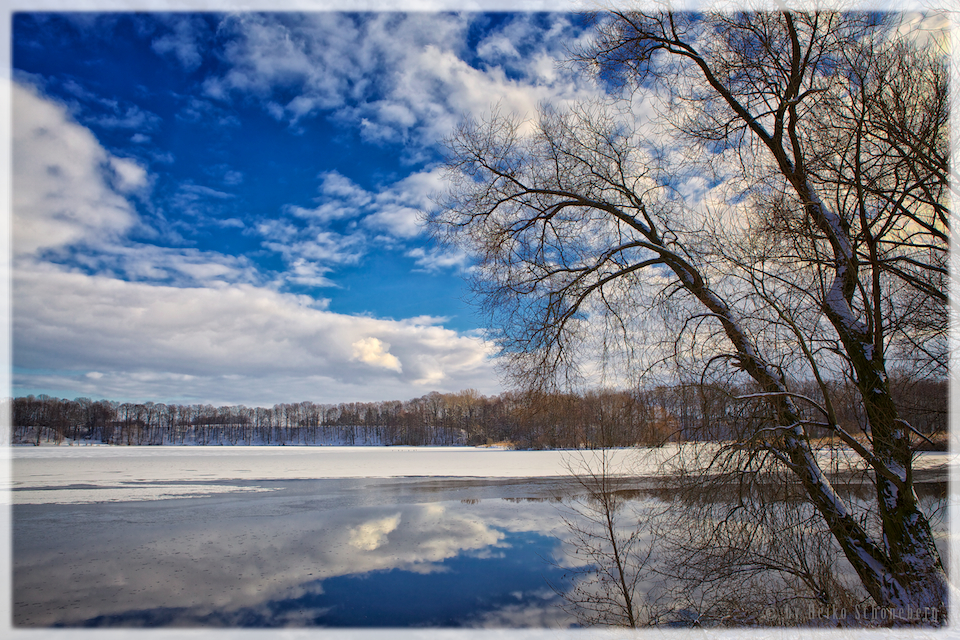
(521, 420)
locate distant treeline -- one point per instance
(529, 420)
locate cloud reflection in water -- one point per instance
(284, 559)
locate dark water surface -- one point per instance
(305, 553)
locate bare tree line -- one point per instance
(529, 420)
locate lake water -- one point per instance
(240, 538)
(305, 553)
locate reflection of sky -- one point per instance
(314, 553)
(509, 588)
(307, 553)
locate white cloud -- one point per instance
(438, 87)
(339, 197)
(200, 201)
(130, 176)
(196, 110)
(319, 247)
(71, 195)
(132, 117)
(398, 77)
(399, 220)
(201, 190)
(161, 265)
(61, 176)
(310, 248)
(395, 209)
(497, 47)
(376, 353)
(335, 185)
(398, 208)
(437, 259)
(317, 51)
(307, 273)
(275, 344)
(181, 41)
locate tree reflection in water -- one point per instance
(716, 550)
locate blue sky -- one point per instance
(225, 207)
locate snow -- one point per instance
(138, 492)
(932, 459)
(62, 475)
(838, 304)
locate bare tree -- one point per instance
(824, 234)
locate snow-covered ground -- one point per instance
(46, 475)
(74, 474)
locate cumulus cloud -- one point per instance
(163, 265)
(375, 353)
(398, 209)
(71, 198)
(311, 252)
(129, 175)
(434, 259)
(311, 248)
(340, 197)
(316, 51)
(396, 78)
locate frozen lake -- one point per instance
(295, 536)
(67, 474)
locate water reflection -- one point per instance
(343, 553)
(473, 589)
(310, 553)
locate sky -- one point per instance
(226, 208)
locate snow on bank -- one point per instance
(45, 475)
